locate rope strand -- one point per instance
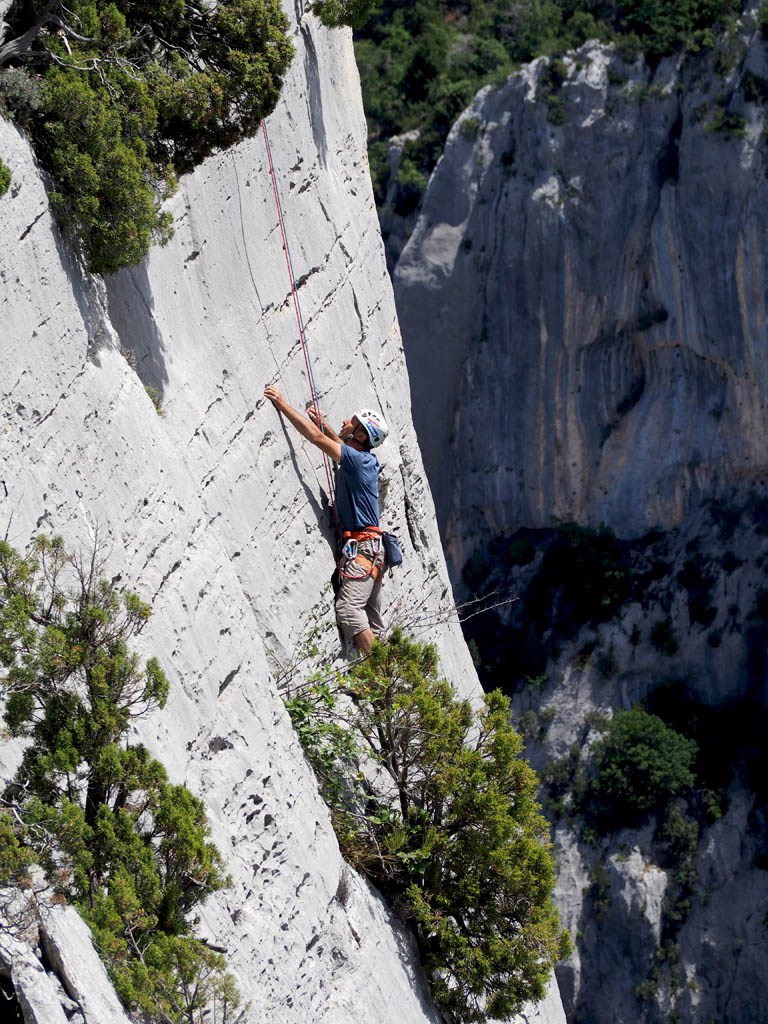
(299, 317)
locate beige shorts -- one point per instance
(358, 602)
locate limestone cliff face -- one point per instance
(215, 511)
(583, 303)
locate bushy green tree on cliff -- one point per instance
(436, 805)
(334, 13)
(131, 94)
(642, 764)
(113, 835)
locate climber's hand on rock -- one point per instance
(271, 392)
(313, 415)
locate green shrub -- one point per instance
(672, 25)
(679, 836)
(629, 46)
(411, 185)
(557, 72)
(754, 87)
(529, 725)
(450, 830)
(378, 162)
(469, 127)
(141, 94)
(641, 765)
(334, 13)
(16, 856)
(546, 717)
(606, 663)
(586, 573)
(581, 26)
(130, 849)
(551, 80)
(555, 111)
(599, 888)
(21, 95)
(478, 567)
(727, 122)
(582, 577)
(154, 396)
(5, 178)
(664, 979)
(101, 177)
(565, 783)
(520, 552)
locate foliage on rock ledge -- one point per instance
(119, 98)
(99, 815)
(334, 13)
(437, 807)
(642, 764)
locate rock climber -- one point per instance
(361, 562)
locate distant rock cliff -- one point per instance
(133, 409)
(583, 304)
(583, 299)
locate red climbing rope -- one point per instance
(299, 319)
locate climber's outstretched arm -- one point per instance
(304, 425)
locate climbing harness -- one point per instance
(368, 533)
(374, 570)
(299, 319)
(351, 539)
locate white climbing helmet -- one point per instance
(375, 425)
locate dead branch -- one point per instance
(18, 47)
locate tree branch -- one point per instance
(19, 46)
(70, 31)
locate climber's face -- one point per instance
(353, 430)
(359, 432)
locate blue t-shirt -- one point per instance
(357, 489)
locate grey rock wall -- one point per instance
(584, 303)
(624, 968)
(47, 953)
(695, 951)
(216, 512)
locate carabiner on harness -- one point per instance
(350, 549)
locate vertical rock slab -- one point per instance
(49, 957)
(69, 949)
(36, 992)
